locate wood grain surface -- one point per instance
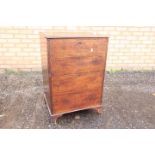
(76, 83)
(78, 47)
(75, 65)
(76, 69)
(74, 101)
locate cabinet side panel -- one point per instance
(104, 67)
(45, 68)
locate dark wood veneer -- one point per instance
(73, 72)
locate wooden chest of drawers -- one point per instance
(73, 73)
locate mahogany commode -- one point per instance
(73, 72)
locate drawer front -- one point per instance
(73, 65)
(73, 47)
(77, 83)
(76, 101)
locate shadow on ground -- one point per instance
(128, 103)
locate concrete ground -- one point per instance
(129, 102)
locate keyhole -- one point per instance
(91, 49)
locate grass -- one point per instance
(112, 71)
(10, 71)
(17, 72)
(13, 72)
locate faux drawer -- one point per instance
(73, 101)
(78, 47)
(73, 65)
(76, 83)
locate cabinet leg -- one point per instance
(45, 101)
(98, 110)
(55, 118)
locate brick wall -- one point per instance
(131, 48)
